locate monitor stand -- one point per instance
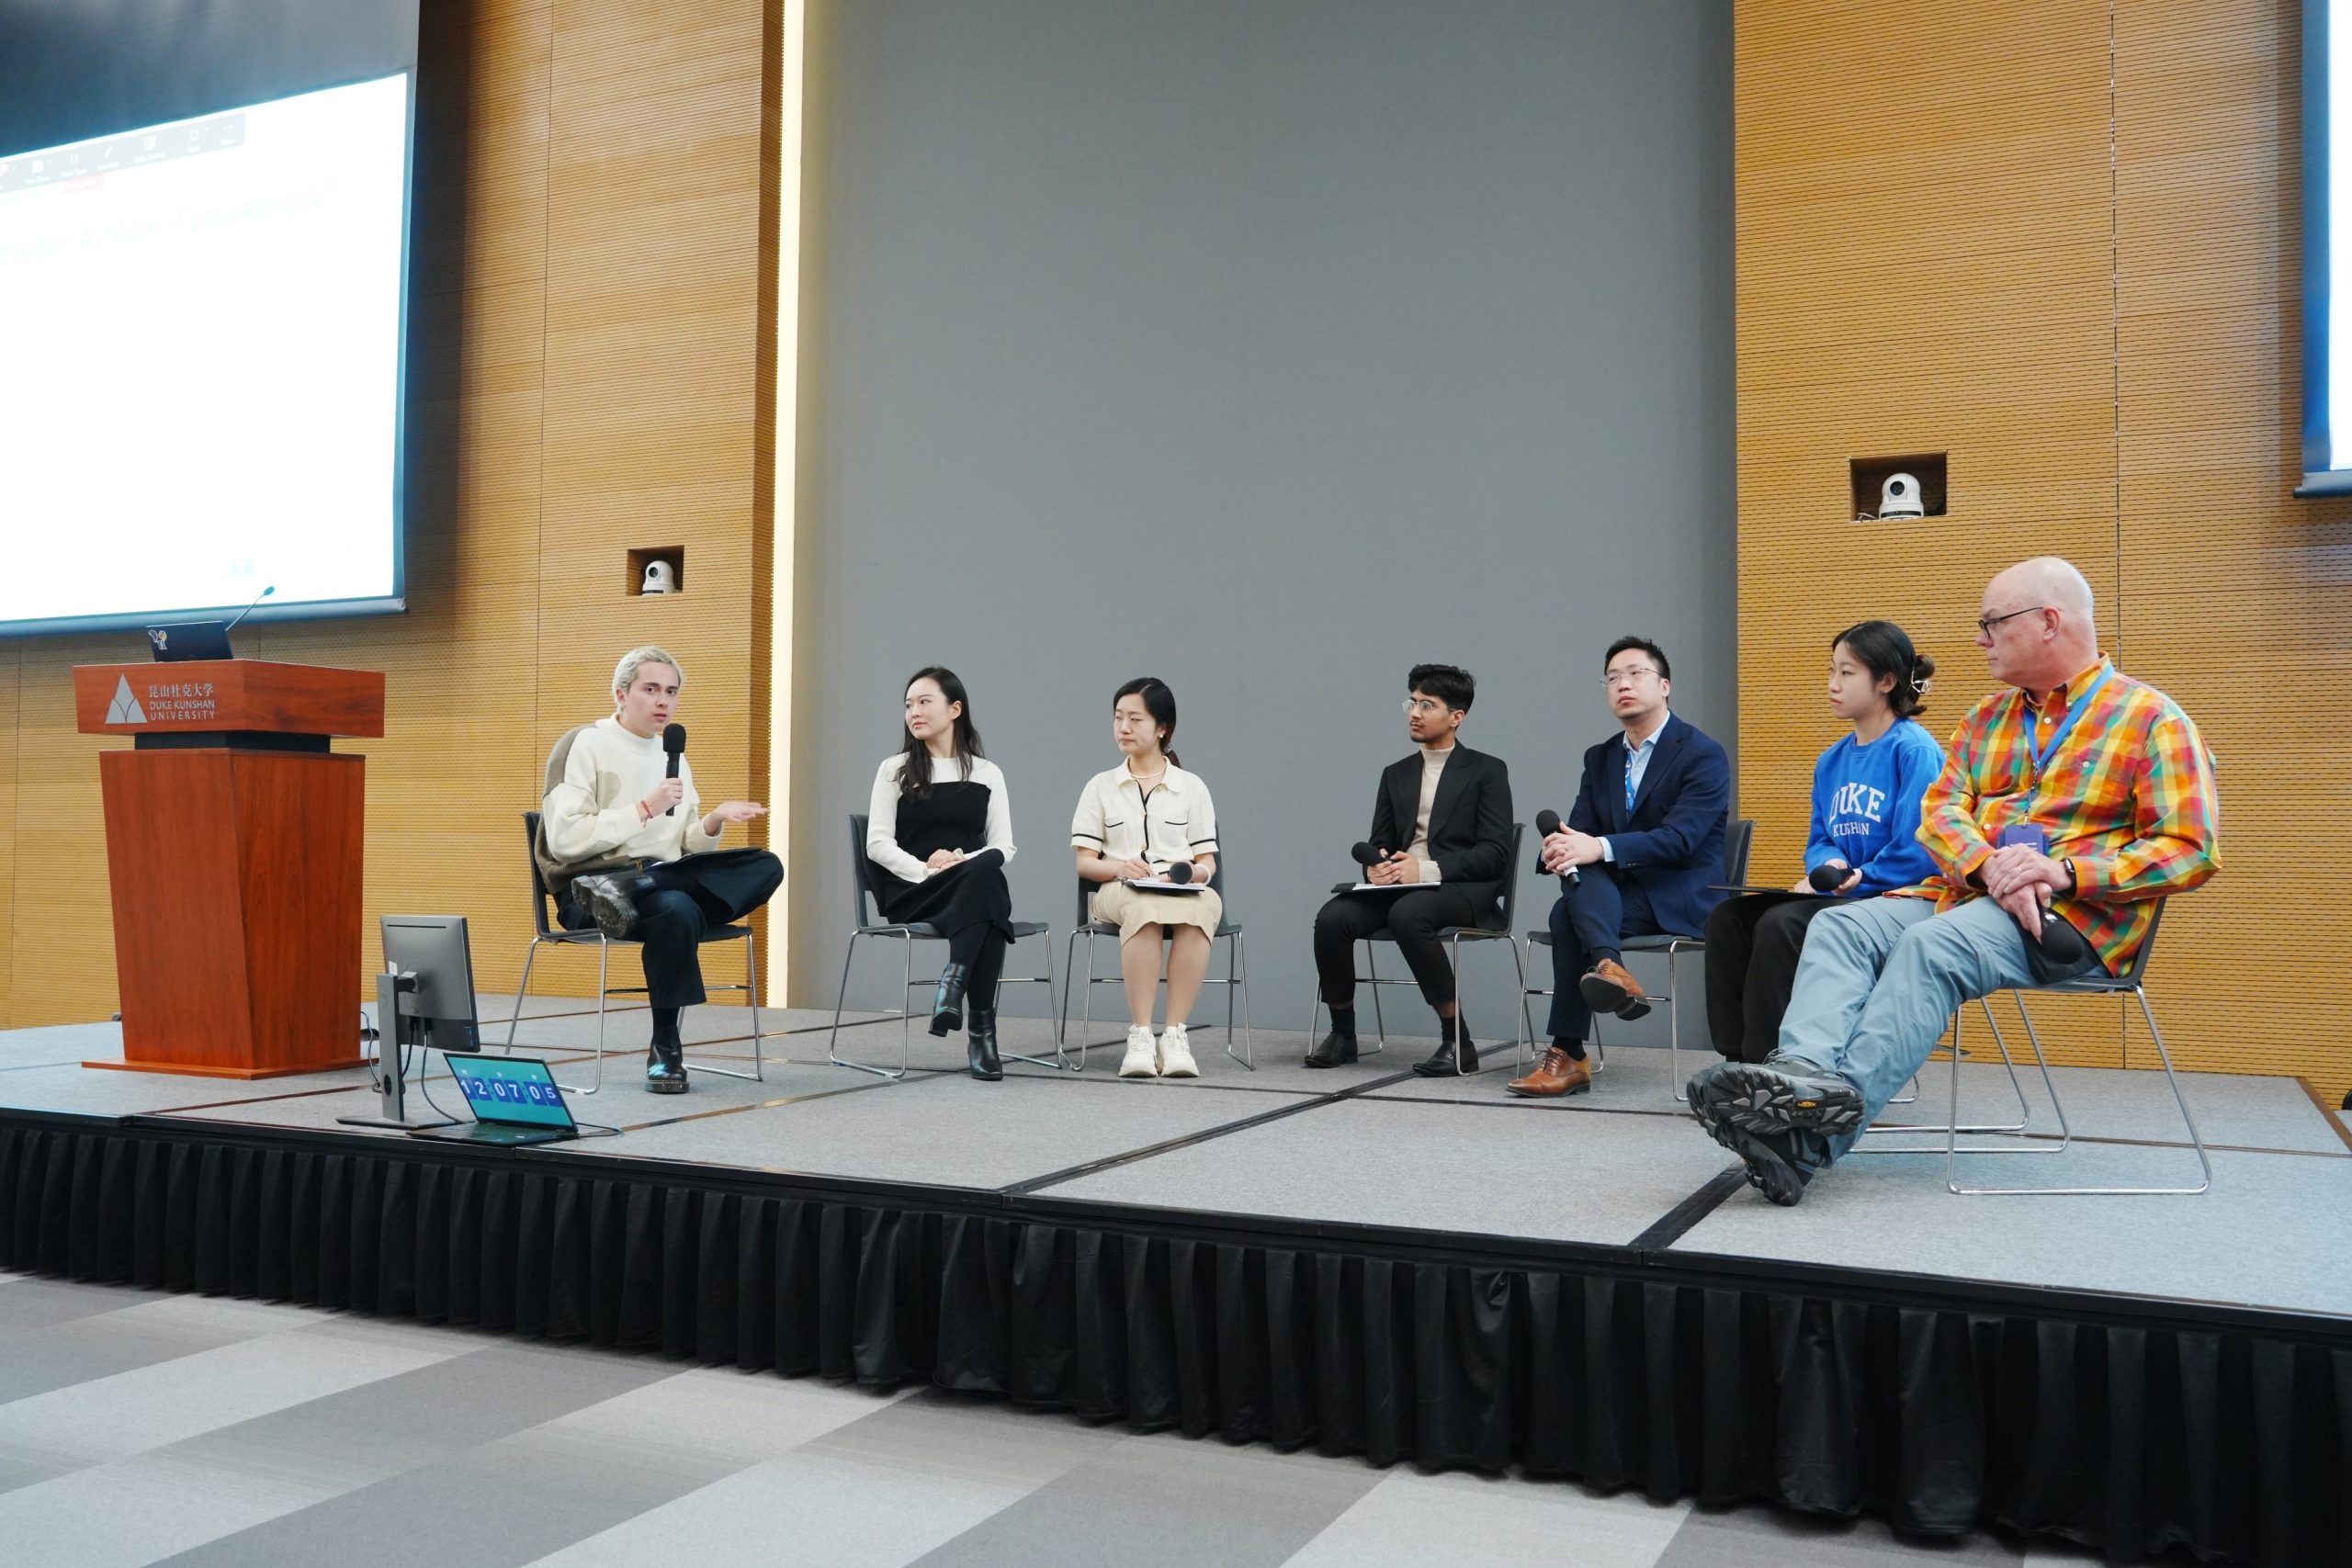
(395, 1002)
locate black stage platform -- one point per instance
(1360, 1260)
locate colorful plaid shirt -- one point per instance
(2127, 797)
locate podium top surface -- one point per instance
(227, 695)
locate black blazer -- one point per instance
(1469, 820)
(1671, 843)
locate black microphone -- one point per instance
(674, 740)
(1828, 876)
(248, 609)
(1547, 822)
(1180, 872)
(1368, 854)
(2064, 946)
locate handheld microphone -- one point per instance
(2064, 945)
(248, 609)
(1826, 879)
(1180, 872)
(1547, 822)
(674, 740)
(1368, 854)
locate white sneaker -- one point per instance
(1141, 1061)
(1176, 1054)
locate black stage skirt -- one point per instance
(964, 895)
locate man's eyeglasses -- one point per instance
(1633, 677)
(1985, 624)
(1422, 705)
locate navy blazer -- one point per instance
(1671, 844)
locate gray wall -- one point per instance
(1367, 331)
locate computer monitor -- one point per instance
(434, 948)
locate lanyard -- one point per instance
(2043, 751)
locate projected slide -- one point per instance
(200, 381)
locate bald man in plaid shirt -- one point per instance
(2069, 803)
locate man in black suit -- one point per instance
(1443, 820)
(1646, 840)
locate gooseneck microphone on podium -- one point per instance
(674, 740)
(249, 609)
(1547, 822)
(1828, 876)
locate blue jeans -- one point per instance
(1879, 982)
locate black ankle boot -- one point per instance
(980, 1045)
(948, 1002)
(665, 1068)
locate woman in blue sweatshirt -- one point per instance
(1866, 793)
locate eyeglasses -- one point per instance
(1422, 705)
(1985, 624)
(1633, 677)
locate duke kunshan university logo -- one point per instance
(124, 708)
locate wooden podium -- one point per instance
(233, 848)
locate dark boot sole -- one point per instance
(1314, 1061)
(615, 916)
(945, 1023)
(1602, 996)
(665, 1086)
(1782, 1183)
(1754, 1098)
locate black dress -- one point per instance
(954, 815)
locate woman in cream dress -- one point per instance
(1135, 821)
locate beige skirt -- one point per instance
(1132, 908)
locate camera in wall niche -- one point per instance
(660, 576)
(1899, 498)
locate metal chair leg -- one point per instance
(604, 991)
(522, 990)
(1059, 1060)
(1379, 1024)
(1525, 1053)
(750, 989)
(1674, 1023)
(1238, 959)
(1952, 1124)
(2180, 1100)
(832, 1042)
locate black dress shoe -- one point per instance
(1334, 1050)
(1443, 1063)
(979, 1046)
(607, 901)
(665, 1068)
(947, 1001)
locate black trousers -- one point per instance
(1593, 917)
(1753, 945)
(1413, 919)
(689, 897)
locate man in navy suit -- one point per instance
(1645, 846)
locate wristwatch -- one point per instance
(2073, 878)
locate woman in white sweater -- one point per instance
(938, 833)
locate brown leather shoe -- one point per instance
(1611, 988)
(1558, 1073)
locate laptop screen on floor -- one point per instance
(517, 1090)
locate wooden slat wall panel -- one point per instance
(2111, 360)
(8, 671)
(584, 377)
(2236, 597)
(1918, 272)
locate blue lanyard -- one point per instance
(2043, 751)
(1632, 756)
